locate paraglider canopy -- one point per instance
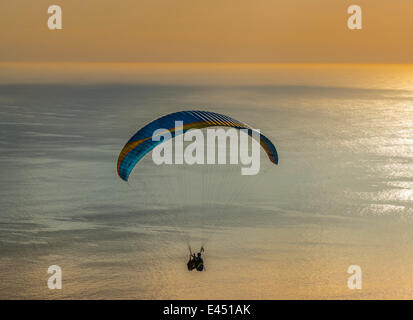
(141, 142)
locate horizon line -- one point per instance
(201, 62)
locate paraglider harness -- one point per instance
(195, 262)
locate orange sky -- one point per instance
(207, 31)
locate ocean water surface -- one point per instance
(341, 195)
